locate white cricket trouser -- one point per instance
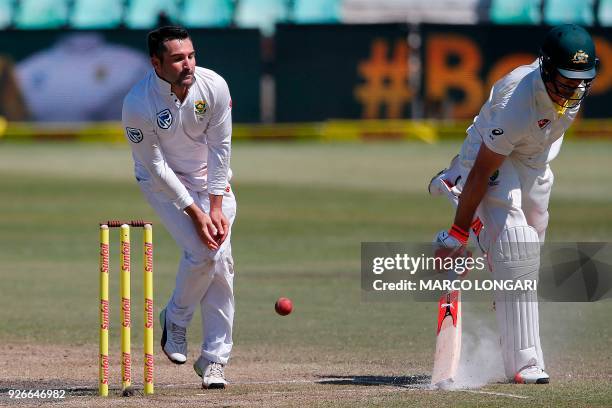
(516, 202)
(204, 277)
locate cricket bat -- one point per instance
(448, 341)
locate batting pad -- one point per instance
(516, 255)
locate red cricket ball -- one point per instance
(283, 306)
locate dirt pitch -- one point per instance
(254, 382)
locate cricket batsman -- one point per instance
(178, 121)
(502, 177)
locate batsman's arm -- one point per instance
(487, 161)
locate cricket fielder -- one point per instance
(502, 176)
(179, 124)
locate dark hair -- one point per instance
(156, 39)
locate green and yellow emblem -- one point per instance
(200, 107)
(580, 57)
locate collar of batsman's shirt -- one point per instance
(544, 102)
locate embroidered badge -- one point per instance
(580, 57)
(200, 107)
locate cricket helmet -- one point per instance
(569, 50)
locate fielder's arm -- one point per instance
(145, 146)
(218, 137)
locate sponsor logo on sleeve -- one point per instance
(164, 119)
(135, 135)
(495, 132)
(493, 180)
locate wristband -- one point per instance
(459, 234)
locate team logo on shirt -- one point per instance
(164, 119)
(135, 135)
(542, 123)
(200, 107)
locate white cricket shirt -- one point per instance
(180, 146)
(520, 120)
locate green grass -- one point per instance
(303, 210)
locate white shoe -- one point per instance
(174, 340)
(531, 375)
(212, 373)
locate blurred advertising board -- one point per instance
(461, 63)
(392, 71)
(318, 72)
(341, 71)
(82, 76)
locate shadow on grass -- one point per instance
(412, 381)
